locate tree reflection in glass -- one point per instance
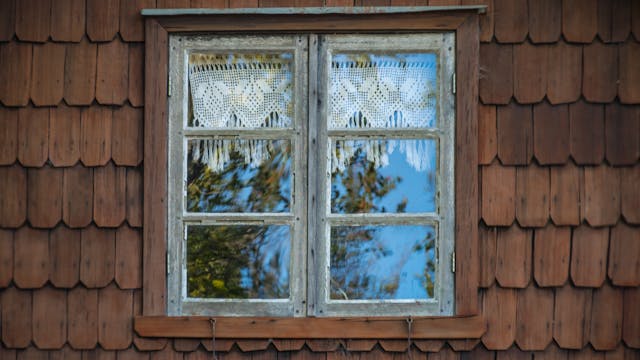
(238, 261)
(241, 185)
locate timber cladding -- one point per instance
(559, 185)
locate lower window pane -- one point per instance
(383, 262)
(238, 261)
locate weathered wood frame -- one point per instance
(467, 322)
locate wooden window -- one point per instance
(312, 217)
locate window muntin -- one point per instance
(428, 130)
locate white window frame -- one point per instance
(310, 217)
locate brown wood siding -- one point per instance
(559, 190)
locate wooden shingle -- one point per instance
(112, 79)
(64, 257)
(64, 135)
(102, 19)
(97, 254)
(586, 123)
(499, 311)
(631, 317)
(96, 122)
(635, 19)
(629, 72)
(511, 20)
(44, 194)
(624, 255)
(551, 252)
(6, 257)
(252, 345)
(487, 136)
(572, 317)
(551, 133)
(175, 4)
(16, 317)
(80, 73)
(33, 136)
(67, 20)
(513, 257)
(127, 140)
(15, 73)
(601, 200)
(589, 256)
(7, 19)
(579, 20)
(515, 134)
(534, 318)
(32, 353)
(498, 194)
(136, 74)
(31, 258)
(545, 20)
(463, 345)
(600, 72)
(496, 78)
(66, 353)
(564, 78)
(606, 317)
(77, 196)
(49, 318)
(614, 20)
(131, 22)
(128, 258)
(622, 130)
(565, 194)
(529, 72)
(487, 251)
(82, 322)
(217, 4)
(297, 344)
(33, 20)
(115, 308)
(8, 135)
(134, 197)
(47, 74)
(186, 345)
(109, 195)
(13, 196)
(630, 199)
(532, 195)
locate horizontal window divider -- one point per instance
(405, 133)
(384, 219)
(455, 327)
(238, 218)
(261, 133)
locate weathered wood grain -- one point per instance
(624, 255)
(80, 73)
(49, 318)
(606, 317)
(565, 194)
(102, 19)
(31, 258)
(532, 195)
(499, 312)
(64, 135)
(551, 253)
(513, 257)
(112, 76)
(33, 20)
(498, 194)
(82, 322)
(97, 267)
(551, 133)
(64, 257)
(44, 196)
(109, 195)
(589, 256)
(67, 20)
(77, 196)
(115, 308)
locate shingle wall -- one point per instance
(559, 151)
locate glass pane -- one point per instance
(240, 90)
(382, 262)
(383, 90)
(377, 176)
(239, 175)
(238, 261)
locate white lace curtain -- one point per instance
(239, 91)
(254, 91)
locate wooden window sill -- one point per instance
(456, 327)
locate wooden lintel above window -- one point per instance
(369, 19)
(458, 327)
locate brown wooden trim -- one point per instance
(470, 327)
(317, 23)
(155, 170)
(466, 171)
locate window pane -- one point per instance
(241, 90)
(239, 175)
(238, 261)
(382, 262)
(383, 90)
(376, 176)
